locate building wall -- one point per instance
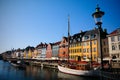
(80, 48)
(75, 50)
(63, 50)
(49, 51)
(105, 47)
(114, 46)
(43, 54)
(55, 50)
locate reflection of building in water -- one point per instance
(41, 74)
(32, 71)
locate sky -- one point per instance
(29, 22)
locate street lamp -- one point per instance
(97, 15)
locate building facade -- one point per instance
(49, 51)
(76, 47)
(55, 50)
(86, 45)
(105, 48)
(114, 43)
(63, 48)
(43, 51)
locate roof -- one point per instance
(115, 32)
(94, 31)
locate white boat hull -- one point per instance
(78, 72)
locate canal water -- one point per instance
(9, 72)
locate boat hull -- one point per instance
(78, 72)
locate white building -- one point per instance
(114, 43)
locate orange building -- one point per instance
(63, 50)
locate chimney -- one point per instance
(105, 30)
(81, 31)
(94, 28)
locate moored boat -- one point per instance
(19, 64)
(81, 68)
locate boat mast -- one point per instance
(68, 35)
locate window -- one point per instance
(112, 39)
(86, 37)
(119, 38)
(94, 49)
(75, 50)
(70, 41)
(113, 47)
(93, 36)
(84, 50)
(119, 46)
(80, 50)
(95, 56)
(87, 50)
(74, 40)
(104, 43)
(105, 50)
(87, 43)
(94, 42)
(80, 44)
(78, 39)
(84, 44)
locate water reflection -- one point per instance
(41, 74)
(9, 72)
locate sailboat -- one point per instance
(81, 68)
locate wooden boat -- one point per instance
(79, 68)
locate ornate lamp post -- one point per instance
(97, 15)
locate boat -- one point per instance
(82, 68)
(18, 64)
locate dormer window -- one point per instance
(93, 36)
(86, 37)
(78, 39)
(74, 40)
(80, 36)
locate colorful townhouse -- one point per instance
(29, 52)
(52, 50)
(86, 45)
(63, 48)
(55, 50)
(114, 43)
(76, 47)
(41, 50)
(49, 51)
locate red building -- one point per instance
(49, 51)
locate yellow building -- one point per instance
(85, 46)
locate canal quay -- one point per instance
(39, 69)
(9, 72)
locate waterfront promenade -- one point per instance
(9, 72)
(112, 74)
